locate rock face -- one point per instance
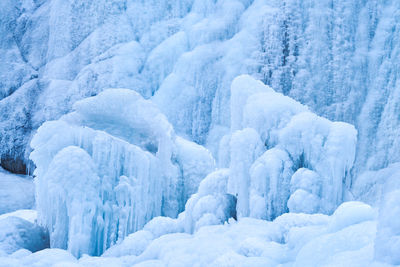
(186, 53)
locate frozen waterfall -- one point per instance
(110, 166)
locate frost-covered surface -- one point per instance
(282, 157)
(106, 165)
(16, 192)
(27, 215)
(106, 169)
(340, 59)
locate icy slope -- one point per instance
(339, 58)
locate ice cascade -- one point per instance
(110, 166)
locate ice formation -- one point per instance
(113, 162)
(120, 151)
(106, 169)
(280, 152)
(186, 53)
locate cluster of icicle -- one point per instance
(109, 167)
(281, 156)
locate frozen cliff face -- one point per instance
(338, 58)
(110, 166)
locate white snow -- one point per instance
(16, 192)
(17, 233)
(28, 215)
(291, 240)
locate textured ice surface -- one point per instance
(110, 166)
(279, 150)
(337, 57)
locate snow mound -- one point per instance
(28, 215)
(17, 233)
(110, 166)
(16, 192)
(291, 239)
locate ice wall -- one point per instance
(339, 58)
(110, 166)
